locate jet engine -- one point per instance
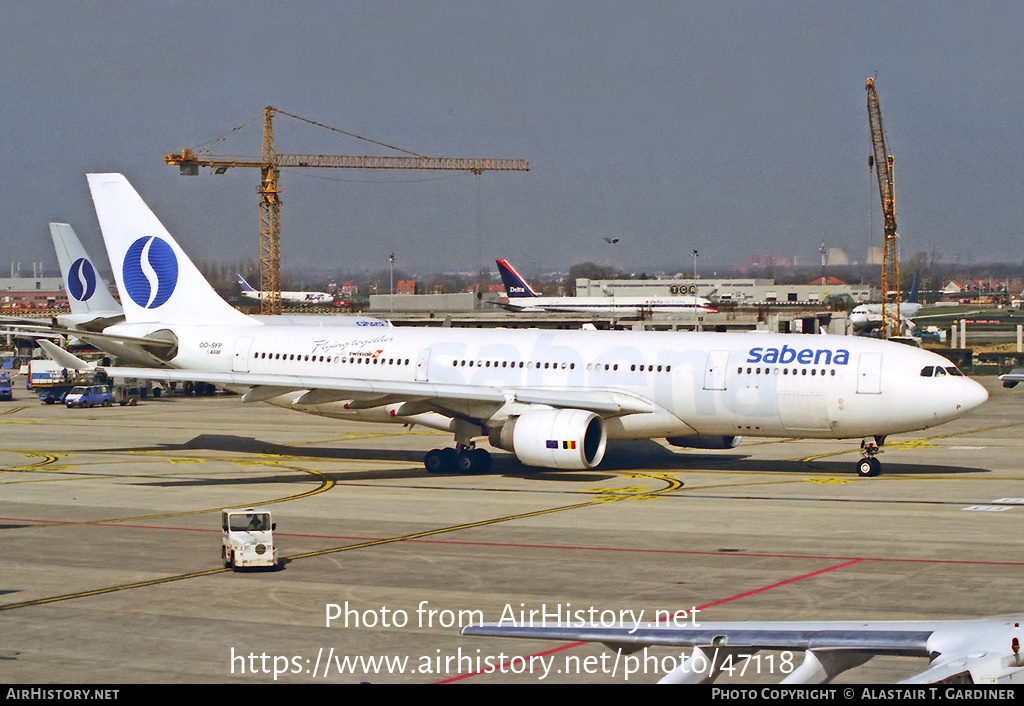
(705, 442)
(554, 438)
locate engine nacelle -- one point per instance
(554, 438)
(705, 442)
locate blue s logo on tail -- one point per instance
(150, 271)
(81, 280)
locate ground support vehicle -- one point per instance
(247, 538)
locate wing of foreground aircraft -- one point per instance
(978, 651)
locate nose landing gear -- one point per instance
(869, 466)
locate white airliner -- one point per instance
(551, 397)
(303, 298)
(982, 651)
(522, 297)
(865, 317)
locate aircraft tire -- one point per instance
(869, 467)
(474, 461)
(440, 461)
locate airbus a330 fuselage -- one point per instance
(641, 384)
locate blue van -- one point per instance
(89, 396)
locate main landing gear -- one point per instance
(465, 459)
(869, 466)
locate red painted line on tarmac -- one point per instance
(563, 547)
(738, 596)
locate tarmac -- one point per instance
(111, 568)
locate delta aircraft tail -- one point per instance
(515, 285)
(157, 281)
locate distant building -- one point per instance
(829, 281)
(32, 293)
(745, 292)
(405, 286)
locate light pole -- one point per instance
(694, 264)
(391, 283)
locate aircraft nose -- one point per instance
(972, 396)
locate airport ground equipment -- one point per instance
(883, 162)
(6, 388)
(270, 163)
(51, 382)
(247, 538)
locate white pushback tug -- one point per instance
(247, 538)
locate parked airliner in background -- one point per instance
(982, 651)
(303, 298)
(521, 297)
(93, 308)
(551, 397)
(866, 317)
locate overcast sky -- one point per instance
(733, 128)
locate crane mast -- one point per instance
(884, 169)
(270, 163)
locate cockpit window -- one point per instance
(952, 370)
(927, 371)
(939, 372)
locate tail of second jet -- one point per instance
(157, 281)
(246, 287)
(515, 286)
(912, 299)
(86, 292)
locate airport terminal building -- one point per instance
(740, 291)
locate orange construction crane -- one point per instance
(891, 321)
(270, 162)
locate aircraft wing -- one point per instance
(961, 651)
(6, 320)
(446, 396)
(883, 638)
(1011, 378)
(49, 330)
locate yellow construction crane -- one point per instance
(891, 321)
(270, 163)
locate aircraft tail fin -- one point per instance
(515, 285)
(85, 289)
(157, 281)
(912, 299)
(246, 287)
